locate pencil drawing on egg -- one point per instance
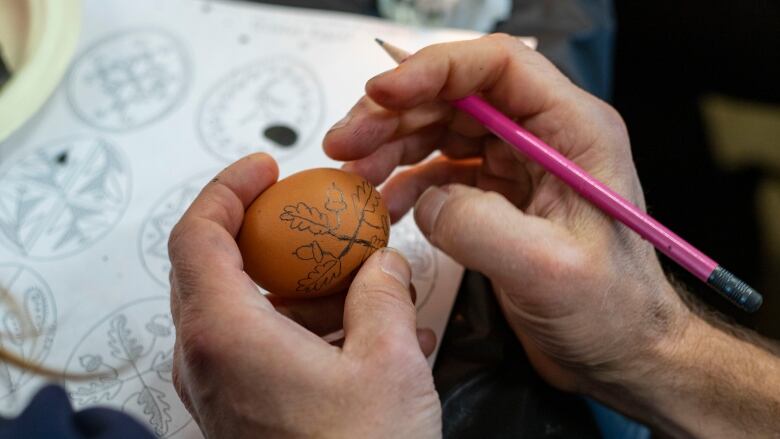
(130, 354)
(63, 197)
(29, 338)
(274, 105)
(129, 79)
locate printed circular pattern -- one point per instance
(132, 352)
(406, 237)
(31, 338)
(153, 239)
(128, 80)
(62, 198)
(271, 105)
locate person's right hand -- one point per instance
(586, 296)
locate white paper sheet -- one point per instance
(160, 96)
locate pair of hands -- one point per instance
(586, 296)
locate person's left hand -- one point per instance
(243, 369)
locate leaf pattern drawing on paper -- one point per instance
(62, 198)
(30, 339)
(154, 406)
(326, 225)
(123, 345)
(130, 354)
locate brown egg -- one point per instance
(307, 235)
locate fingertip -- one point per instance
(427, 339)
(249, 176)
(263, 162)
(363, 169)
(267, 164)
(407, 86)
(428, 207)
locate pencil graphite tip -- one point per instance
(380, 42)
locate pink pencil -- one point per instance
(676, 248)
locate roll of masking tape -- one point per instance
(37, 40)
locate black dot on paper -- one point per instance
(61, 158)
(281, 135)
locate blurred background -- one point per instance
(698, 84)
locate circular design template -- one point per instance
(131, 353)
(128, 80)
(153, 239)
(30, 334)
(273, 105)
(60, 199)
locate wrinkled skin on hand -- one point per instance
(585, 295)
(246, 369)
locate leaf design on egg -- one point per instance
(305, 218)
(322, 275)
(365, 199)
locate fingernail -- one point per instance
(395, 264)
(342, 123)
(428, 207)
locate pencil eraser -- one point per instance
(735, 290)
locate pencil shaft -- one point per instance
(604, 198)
(589, 188)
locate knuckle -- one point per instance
(464, 206)
(391, 345)
(433, 51)
(612, 117)
(174, 239)
(501, 37)
(184, 275)
(510, 43)
(178, 239)
(567, 264)
(197, 344)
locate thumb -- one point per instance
(378, 311)
(485, 232)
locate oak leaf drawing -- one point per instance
(365, 198)
(153, 404)
(124, 346)
(302, 217)
(104, 389)
(322, 275)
